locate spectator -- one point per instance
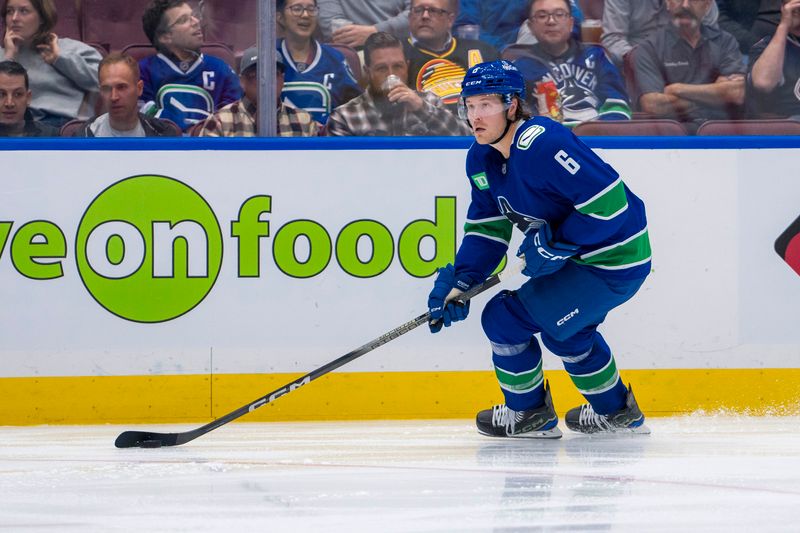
(120, 89)
(180, 83)
(525, 36)
(687, 70)
(437, 60)
(16, 119)
(627, 23)
(62, 72)
(350, 22)
(318, 77)
(749, 21)
(774, 78)
(590, 86)
(389, 107)
(499, 22)
(239, 119)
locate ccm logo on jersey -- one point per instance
(570, 315)
(527, 137)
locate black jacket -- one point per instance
(153, 127)
(33, 128)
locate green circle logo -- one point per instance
(149, 248)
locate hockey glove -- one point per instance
(444, 314)
(542, 255)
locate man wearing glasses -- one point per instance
(438, 61)
(590, 86)
(181, 83)
(688, 70)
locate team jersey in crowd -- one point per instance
(552, 177)
(590, 86)
(186, 95)
(785, 98)
(441, 73)
(320, 85)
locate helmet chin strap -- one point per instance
(509, 122)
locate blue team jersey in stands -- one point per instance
(190, 96)
(552, 177)
(590, 86)
(324, 84)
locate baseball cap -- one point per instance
(250, 58)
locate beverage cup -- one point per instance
(468, 31)
(591, 31)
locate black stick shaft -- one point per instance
(131, 439)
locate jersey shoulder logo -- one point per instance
(527, 137)
(481, 181)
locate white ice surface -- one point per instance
(700, 473)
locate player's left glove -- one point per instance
(542, 255)
(445, 314)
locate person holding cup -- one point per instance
(389, 107)
(350, 22)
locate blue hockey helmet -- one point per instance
(493, 77)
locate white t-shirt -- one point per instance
(102, 128)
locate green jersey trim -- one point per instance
(496, 228)
(607, 204)
(633, 251)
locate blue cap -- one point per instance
(493, 77)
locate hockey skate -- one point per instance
(538, 423)
(629, 419)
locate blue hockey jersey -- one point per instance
(190, 96)
(325, 83)
(552, 177)
(590, 86)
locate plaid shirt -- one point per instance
(365, 116)
(239, 120)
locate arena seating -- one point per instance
(69, 19)
(233, 23)
(750, 127)
(142, 50)
(113, 24)
(634, 128)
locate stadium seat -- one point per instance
(70, 128)
(592, 9)
(141, 50)
(633, 128)
(113, 24)
(69, 19)
(750, 127)
(232, 23)
(352, 58)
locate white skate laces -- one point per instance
(587, 417)
(504, 417)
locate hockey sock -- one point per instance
(519, 373)
(594, 373)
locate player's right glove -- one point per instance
(542, 255)
(445, 314)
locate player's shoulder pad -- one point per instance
(535, 132)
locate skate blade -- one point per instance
(554, 433)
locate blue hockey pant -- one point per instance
(565, 308)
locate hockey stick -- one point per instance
(146, 439)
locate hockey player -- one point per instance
(181, 83)
(586, 250)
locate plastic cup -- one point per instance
(468, 31)
(591, 31)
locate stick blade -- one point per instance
(145, 439)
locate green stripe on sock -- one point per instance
(598, 381)
(519, 382)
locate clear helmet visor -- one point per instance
(481, 106)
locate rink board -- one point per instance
(260, 261)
